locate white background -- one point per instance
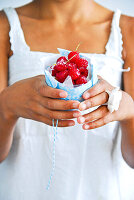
(127, 6)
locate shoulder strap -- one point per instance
(16, 34)
(114, 46)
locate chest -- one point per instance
(45, 36)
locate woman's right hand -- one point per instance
(33, 99)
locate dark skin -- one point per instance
(48, 24)
(62, 32)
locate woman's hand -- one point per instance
(97, 96)
(33, 99)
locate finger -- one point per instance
(94, 101)
(64, 123)
(94, 115)
(97, 89)
(98, 123)
(61, 123)
(47, 91)
(39, 109)
(56, 104)
(63, 114)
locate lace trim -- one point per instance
(16, 34)
(11, 39)
(112, 47)
(120, 33)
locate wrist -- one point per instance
(5, 112)
(126, 108)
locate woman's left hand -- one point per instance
(96, 96)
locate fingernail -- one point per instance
(62, 94)
(86, 126)
(83, 106)
(82, 120)
(88, 104)
(87, 95)
(76, 114)
(71, 123)
(75, 105)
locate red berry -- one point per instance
(73, 56)
(83, 71)
(71, 66)
(81, 62)
(74, 73)
(81, 80)
(61, 76)
(54, 71)
(73, 82)
(60, 66)
(61, 59)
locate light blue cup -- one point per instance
(73, 93)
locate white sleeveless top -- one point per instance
(89, 165)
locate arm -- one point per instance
(97, 96)
(39, 102)
(5, 126)
(127, 126)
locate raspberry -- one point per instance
(83, 71)
(81, 80)
(61, 59)
(73, 82)
(71, 66)
(75, 54)
(61, 76)
(74, 73)
(81, 62)
(54, 71)
(60, 66)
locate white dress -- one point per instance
(89, 164)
